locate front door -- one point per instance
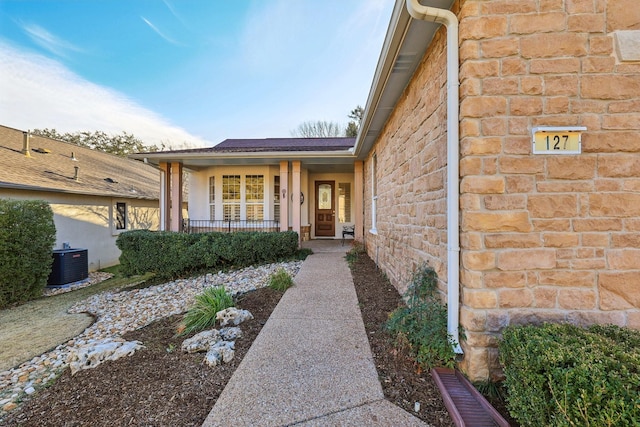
(325, 209)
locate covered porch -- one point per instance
(313, 186)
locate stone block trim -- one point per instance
(628, 45)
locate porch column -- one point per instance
(296, 197)
(176, 197)
(358, 176)
(284, 195)
(165, 186)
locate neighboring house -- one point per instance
(94, 195)
(450, 176)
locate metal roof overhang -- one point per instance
(404, 46)
(315, 161)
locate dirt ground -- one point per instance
(402, 381)
(162, 386)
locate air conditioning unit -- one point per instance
(69, 265)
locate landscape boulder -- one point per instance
(233, 315)
(92, 354)
(222, 351)
(230, 333)
(201, 341)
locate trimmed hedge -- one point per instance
(170, 255)
(563, 375)
(27, 236)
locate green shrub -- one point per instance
(302, 254)
(203, 313)
(171, 254)
(422, 323)
(27, 236)
(357, 248)
(280, 280)
(563, 375)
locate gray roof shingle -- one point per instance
(99, 173)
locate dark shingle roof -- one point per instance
(99, 173)
(275, 145)
(286, 144)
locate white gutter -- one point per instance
(450, 20)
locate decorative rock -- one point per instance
(201, 341)
(29, 390)
(94, 277)
(233, 315)
(92, 355)
(9, 406)
(230, 333)
(222, 351)
(119, 312)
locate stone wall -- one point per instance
(547, 237)
(543, 237)
(411, 177)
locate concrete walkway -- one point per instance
(311, 364)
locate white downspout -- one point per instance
(450, 20)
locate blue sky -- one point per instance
(186, 72)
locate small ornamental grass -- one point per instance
(357, 248)
(280, 280)
(421, 325)
(203, 313)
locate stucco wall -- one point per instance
(199, 190)
(543, 237)
(87, 221)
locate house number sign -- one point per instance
(557, 140)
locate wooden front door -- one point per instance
(325, 209)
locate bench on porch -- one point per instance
(348, 230)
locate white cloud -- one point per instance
(160, 33)
(43, 38)
(36, 92)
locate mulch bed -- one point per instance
(162, 386)
(402, 381)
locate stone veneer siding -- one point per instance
(411, 178)
(543, 237)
